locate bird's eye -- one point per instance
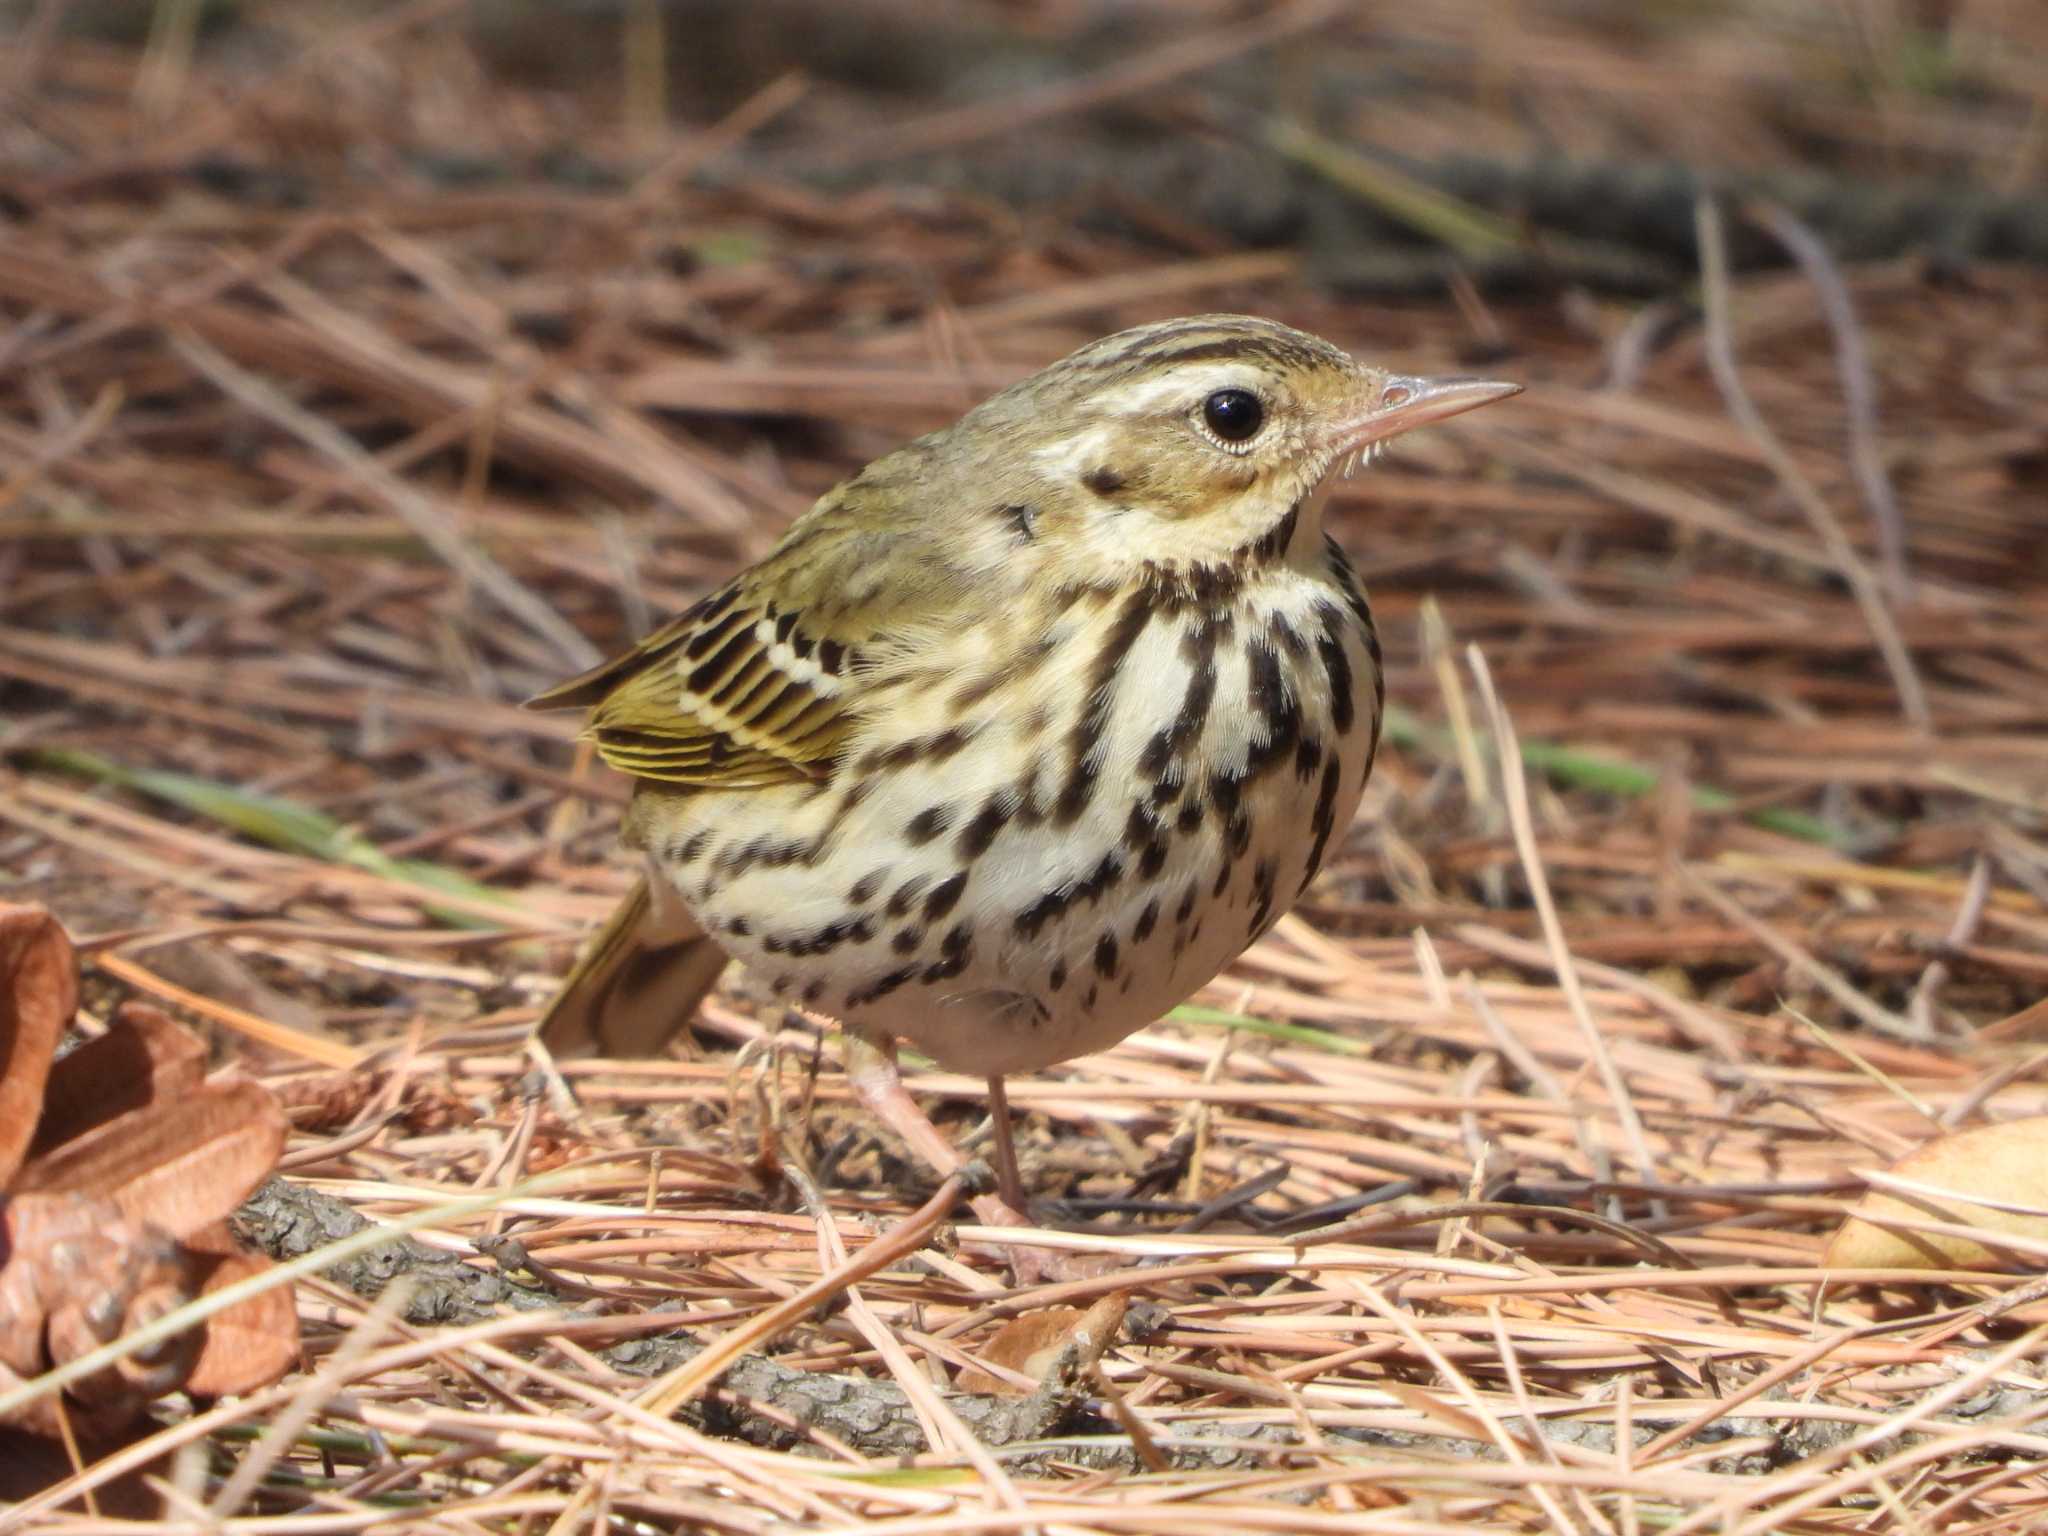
(1234, 415)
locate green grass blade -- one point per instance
(1614, 776)
(277, 823)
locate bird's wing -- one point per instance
(763, 681)
(734, 693)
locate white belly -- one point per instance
(1015, 879)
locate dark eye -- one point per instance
(1233, 414)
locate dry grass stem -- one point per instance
(361, 375)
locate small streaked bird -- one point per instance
(1022, 733)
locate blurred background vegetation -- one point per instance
(365, 368)
(580, 303)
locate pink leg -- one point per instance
(1009, 1183)
(871, 1066)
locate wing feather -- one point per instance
(723, 696)
(761, 682)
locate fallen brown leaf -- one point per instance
(121, 1165)
(1026, 1344)
(252, 1343)
(38, 994)
(144, 1057)
(2007, 1163)
(181, 1164)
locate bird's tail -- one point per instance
(637, 984)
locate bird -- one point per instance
(1017, 736)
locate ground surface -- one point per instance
(340, 410)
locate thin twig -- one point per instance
(434, 527)
(1721, 361)
(1859, 388)
(1148, 71)
(1823, 975)
(1519, 818)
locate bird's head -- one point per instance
(1188, 443)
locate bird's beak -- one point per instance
(1406, 403)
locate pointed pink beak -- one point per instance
(1406, 403)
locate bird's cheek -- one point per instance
(1236, 477)
(1208, 490)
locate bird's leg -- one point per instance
(1008, 1182)
(871, 1066)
